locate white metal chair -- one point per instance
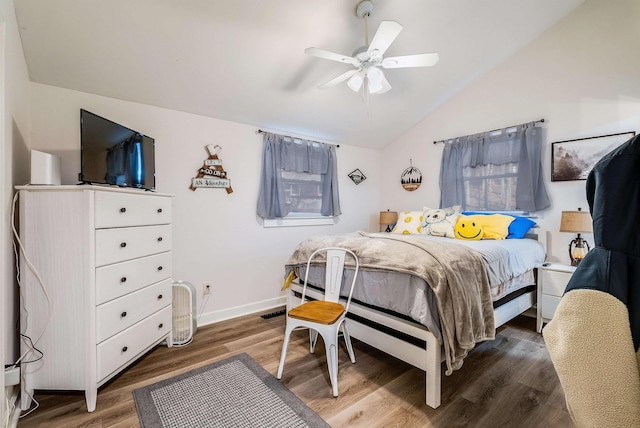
(324, 317)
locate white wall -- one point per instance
(14, 123)
(582, 76)
(217, 236)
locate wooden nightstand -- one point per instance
(552, 281)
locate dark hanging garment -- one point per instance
(613, 266)
(594, 334)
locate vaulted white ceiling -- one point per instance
(244, 61)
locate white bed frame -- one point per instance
(428, 358)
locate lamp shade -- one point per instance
(388, 217)
(355, 83)
(375, 77)
(576, 222)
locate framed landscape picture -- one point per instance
(574, 159)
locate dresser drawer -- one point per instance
(554, 282)
(549, 305)
(126, 209)
(117, 245)
(125, 346)
(116, 280)
(117, 315)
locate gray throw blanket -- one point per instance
(455, 273)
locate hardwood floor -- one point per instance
(507, 382)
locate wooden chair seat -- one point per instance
(321, 312)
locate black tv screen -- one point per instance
(114, 154)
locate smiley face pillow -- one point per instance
(475, 227)
(468, 228)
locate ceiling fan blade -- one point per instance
(339, 79)
(321, 53)
(421, 60)
(386, 34)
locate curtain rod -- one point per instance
(442, 141)
(260, 131)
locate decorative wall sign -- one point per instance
(411, 177)
(357, 176)
(211, 174)
(574, 159)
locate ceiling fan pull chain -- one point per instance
(364, 90)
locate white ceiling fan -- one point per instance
(368, 58)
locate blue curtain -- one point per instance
(285, 153)
(518, 150)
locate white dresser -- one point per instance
(104, 256)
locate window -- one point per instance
(495, 171)
(302, 191)
(298, 181)
(490, 187)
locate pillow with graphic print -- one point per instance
(440, 221)
(409, 223)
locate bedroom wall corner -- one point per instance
(14, 123)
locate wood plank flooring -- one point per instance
(507, 382)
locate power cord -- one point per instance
(205, 298)
(26, 340)
(33, 409)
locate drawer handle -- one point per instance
(123, 279)
(159, 296)
(160, 326)
(159, 268)
(124, 349)
(160, 239)
(123, 210)
(124, 314)
(123, 244)
(159, 210)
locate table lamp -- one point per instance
(576, 222)
(388, 218)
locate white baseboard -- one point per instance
(238, 311)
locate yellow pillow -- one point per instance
(468, 228)
(409, 222)
(495, 226)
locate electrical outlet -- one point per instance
(206, 288)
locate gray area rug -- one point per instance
(235, 392)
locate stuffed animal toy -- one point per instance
(440, 222)
(469, 228)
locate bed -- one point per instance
(426, 299)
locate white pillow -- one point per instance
(440, 221)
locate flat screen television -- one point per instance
(114, 154)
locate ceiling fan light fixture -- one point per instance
(366, 59)
(355, 82)
(375, 78)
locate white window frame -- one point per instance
(300, 219)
